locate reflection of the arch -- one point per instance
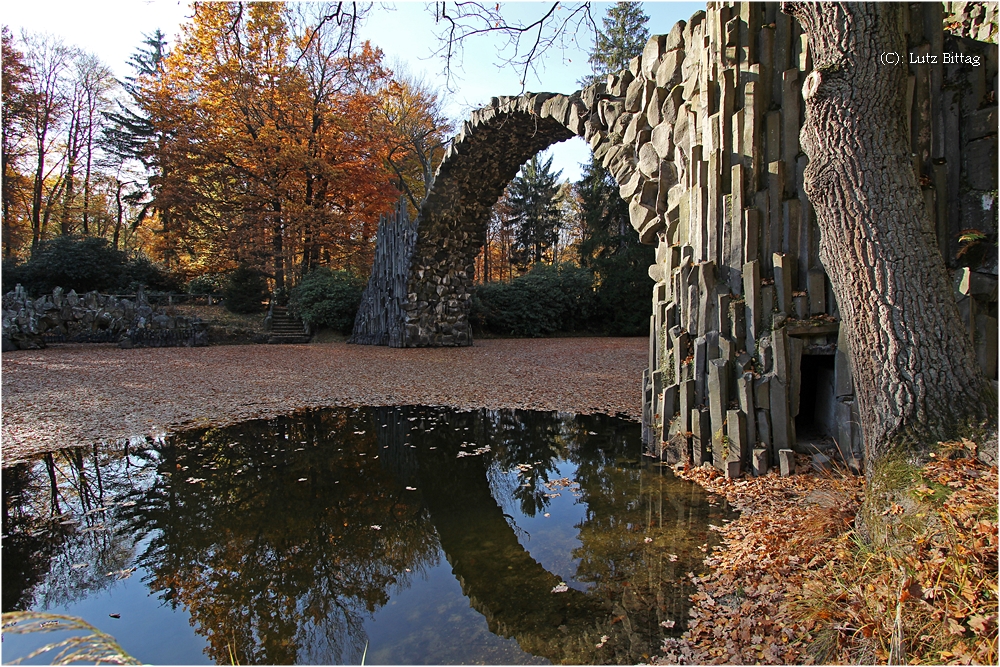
(265, 531)
(635, 585)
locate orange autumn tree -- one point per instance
(275, 158)
(416, 132)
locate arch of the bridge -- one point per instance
(628, 121)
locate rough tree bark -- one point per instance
(916, 378)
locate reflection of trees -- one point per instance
(264, 532)
(63, 525)
(526, 443)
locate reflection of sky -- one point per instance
(431, 622)
(148, 630)
(550, 539)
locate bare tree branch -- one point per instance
(525, 45)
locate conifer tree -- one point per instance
(534, 202)
(132, 131)
(610, 247)
(623, 38)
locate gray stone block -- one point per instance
(764, 428)
(736, 429)
(654, 48)
(680, 342)
(685, 401)
(751, 297)
(816, 287)
(760, 466)
(669, 69)
(782, 355)
(783, 280)
(744, 394)
(732, 469)
(786, 462)
(701, 437)
(718, 403)
(668, 405)
(649, 162)
(700, 369)
(977, 284)
(782, 427)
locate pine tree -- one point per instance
(623, 38)
(132, 133)
(610, 247)
(534, 201)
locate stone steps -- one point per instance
(286, 329)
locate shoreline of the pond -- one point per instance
(67, 396)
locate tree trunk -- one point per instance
(916, 378)
(278, 248)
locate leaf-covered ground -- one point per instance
(797, 582)
(79, 394)
(794, 581)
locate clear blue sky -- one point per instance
(405, 31)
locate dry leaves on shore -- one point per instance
(795, 582)
(740, 612)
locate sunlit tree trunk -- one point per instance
(915, 373)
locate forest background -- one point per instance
(261, 148)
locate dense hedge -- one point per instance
(328, 299)
(85, 264)
(546, 300)
(563, 299)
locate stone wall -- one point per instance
(701, 132)
(93, 317)
(746, 357)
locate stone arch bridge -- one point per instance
(746, 360)
(616, 117)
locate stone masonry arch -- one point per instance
(617, 117)
(747, 363)
(486, 155)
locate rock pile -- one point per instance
(93, 316)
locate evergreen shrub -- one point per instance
(328, 299)
(546, 300)
(246, 291)
(85, 264)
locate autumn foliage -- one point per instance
(267, 136)
(797, 581)
(271, 153)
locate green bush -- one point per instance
(328, 298)
(85, 264)
(623, 294)
(245, 291)
(208, 283)
(141, 270)
(546, 300)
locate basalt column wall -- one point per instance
(746, 359)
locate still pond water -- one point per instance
(404, 535)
